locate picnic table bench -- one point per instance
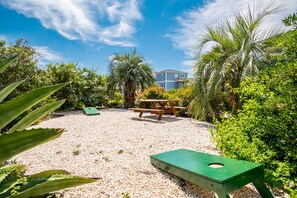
(152, 111)
(219, 174)
(157, 106)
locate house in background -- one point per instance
(170, 79)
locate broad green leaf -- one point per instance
(35, 115)
(9, 176)
(40, 186)
(13, 108)
(9, 88)
(6, 62)
(19, 141)
(49, 173)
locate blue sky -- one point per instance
(88, 32)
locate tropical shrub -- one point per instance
(153, 92)
(183, 95)
(117, 101)
(86, 87)
(13, 182)
(265, 130)
(239, 49)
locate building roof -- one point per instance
(170, 71)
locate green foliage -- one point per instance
(117, 101)
(291, 20)
(239, 49)
(129, 74)
(13, 181)
(153, 92)
(24, 65)
(183, 95)
(265, 130)
(86, 87)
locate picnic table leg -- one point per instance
(160, 116)
(262, 189)
(144, 106)
(173, 109)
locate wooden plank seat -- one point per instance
(152, 111)
(219, 174)
(169, 107)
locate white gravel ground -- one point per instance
(115, 147)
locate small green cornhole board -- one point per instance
(219, 174)
(91, 111)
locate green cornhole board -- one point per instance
(91, 111)
(219, 174)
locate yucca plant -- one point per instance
(13, 182)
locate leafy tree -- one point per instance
(13, 181)
(129, 74)
(25, 65)
(239, 50)
(86, 87)
(291, 20)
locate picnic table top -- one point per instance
(199, 164)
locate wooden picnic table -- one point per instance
(157, 106)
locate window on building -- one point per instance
(182, 75)
(176, 76)
(162, 76)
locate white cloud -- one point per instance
(191, 23)
(47, 55)
(110, 57)
(107, 21)
(3, 37)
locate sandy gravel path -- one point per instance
(115, 147)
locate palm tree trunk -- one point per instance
(129, 95)
(234, 99)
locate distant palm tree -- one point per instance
(129, 73)
(240, 49)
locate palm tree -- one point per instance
(240, 49)
(129, 73)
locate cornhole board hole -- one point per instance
(91, 111)
(216, 173)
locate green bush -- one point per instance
(183, 95)
(265, 130)
(153, 92)
(117, 101)
(86, 87)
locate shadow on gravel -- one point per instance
(154, 119)
(191, 190)
(194, 191)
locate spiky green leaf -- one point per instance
(9, 176)
(35, 115)
(49, 173)
(6, 170)
(5, 91)
(19, 141)
(20, 104)
(6, 62)
(43, 185)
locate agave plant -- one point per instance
(13, 182)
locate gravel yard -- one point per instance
(115, 147)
